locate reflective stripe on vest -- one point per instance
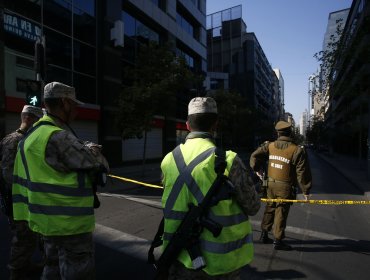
(234, 247)
(279, 163)
(53, 202)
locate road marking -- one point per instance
(123, 242)
(136, 199)
(256, 224)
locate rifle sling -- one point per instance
(220, 166)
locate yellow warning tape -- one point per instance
(321, 201)
(136, 182)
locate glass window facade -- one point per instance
(188, 58)
(69, 29)
(136, 33)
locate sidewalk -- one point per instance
(354, 170)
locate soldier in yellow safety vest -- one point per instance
(288, 167)
(194, 162)
(24, 241)
(54, 173)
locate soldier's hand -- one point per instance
(307, 196)
(260, 175)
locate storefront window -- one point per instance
(58, 74)
(58, 49)
(20, 33)
(28, 8)
(85, 88)
(84, 58)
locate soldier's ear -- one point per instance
(188, 126)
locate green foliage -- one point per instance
(316, 134)
(157, 78)
(328, 58)
(234, 119)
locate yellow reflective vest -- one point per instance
(194, 161)
(54, 203)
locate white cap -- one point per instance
(33, 110)
(201, 105)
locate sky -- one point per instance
(290, 32)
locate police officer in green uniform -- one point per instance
(226, 254)
(287, 166)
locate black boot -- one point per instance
(280, 245)
(264, 238)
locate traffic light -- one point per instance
(39, 62)
(33, 94)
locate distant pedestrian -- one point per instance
(24, 241)
(54, 175)
(195, 160)
(287, 166)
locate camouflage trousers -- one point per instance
(23, 244)
(69, 257)
(179, 272)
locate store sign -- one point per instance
(21, 27)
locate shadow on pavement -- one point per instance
(111, 264)
(251, 273)
(336, 245)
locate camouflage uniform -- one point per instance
(249, 202)
(70, 257)
(24, 241)
(277, 213)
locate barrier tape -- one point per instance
(311, 201)
(136, 182)
(320, 201)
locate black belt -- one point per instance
(277, 181)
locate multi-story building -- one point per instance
(303, 123)
(89, 44)
(336, 23)
(280, 96)
(234, 51)
(347, 118)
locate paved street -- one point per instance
(330, 242)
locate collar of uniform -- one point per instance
(285, 138)
(19, 130)
(199, 134)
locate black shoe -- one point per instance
(264, 238)
(280, 245)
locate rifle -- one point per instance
(188, 232)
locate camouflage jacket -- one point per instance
(66, 153)
(246, 194)
(8, 151)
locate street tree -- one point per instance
(158, 77)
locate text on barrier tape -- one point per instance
(320, 201)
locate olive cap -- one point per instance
(282, 125)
